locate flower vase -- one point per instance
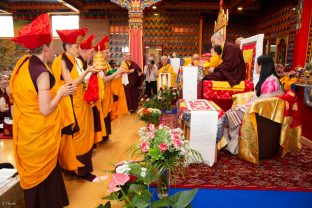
(163, 184)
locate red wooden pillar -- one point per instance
(302, 35)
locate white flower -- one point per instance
(123, 169)
(143, 172)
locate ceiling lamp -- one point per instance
(239, 8)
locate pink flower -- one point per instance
(151, 127)
(151, 134)
(163, 147)
(177, 142)
(161, 126)
(144, 147)
(118, 179)
(174, 135)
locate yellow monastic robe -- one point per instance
(114, 87)
(213, 62)
(108, 96)
(36, 137)
(84, 138)
(67, 154)
(169, 69)
(119, 107)
(98, 135)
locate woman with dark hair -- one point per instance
(268, 81)
(267, 86)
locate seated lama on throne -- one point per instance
(232, 69)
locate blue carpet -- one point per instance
(206, 198)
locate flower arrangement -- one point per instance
(153, 102)
(149, 115)
(166, 148)
(169, 96)
(130, 184)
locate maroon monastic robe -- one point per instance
(131, 89)
(232, 68)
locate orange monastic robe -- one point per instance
(120, 106)
(36, 137)
(84, 138)
(114, 87)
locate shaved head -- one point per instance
(217, 39)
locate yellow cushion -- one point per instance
(224, 85)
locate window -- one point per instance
(6, 30)
(62, 22)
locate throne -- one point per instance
(221, 92)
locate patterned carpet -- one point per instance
(170, 120)
(291, 173)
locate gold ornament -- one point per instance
(99, 61)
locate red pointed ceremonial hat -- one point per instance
(72, 36)
(87, 43)
(103, 44)
(36, 34)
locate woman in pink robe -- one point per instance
(267, 86)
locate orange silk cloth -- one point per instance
(36, 137)
(283, 110)
(84, 138)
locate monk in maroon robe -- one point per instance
(135, 80)
(233, 67)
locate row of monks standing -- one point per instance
(64, 135)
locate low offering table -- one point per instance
(199, 120)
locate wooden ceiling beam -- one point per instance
(190, 6)
(69, 5)
(35, 6)
(100, 5)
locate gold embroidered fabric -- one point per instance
(272, 108)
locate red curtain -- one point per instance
(136, 45)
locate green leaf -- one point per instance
(183, 199)
(164, 202)
(155, 154)
(106, 205)
(146, 195)
(112, 196)
(135, 188)
(139, 202)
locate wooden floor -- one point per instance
(82, 193)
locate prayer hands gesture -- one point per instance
(67, 89)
